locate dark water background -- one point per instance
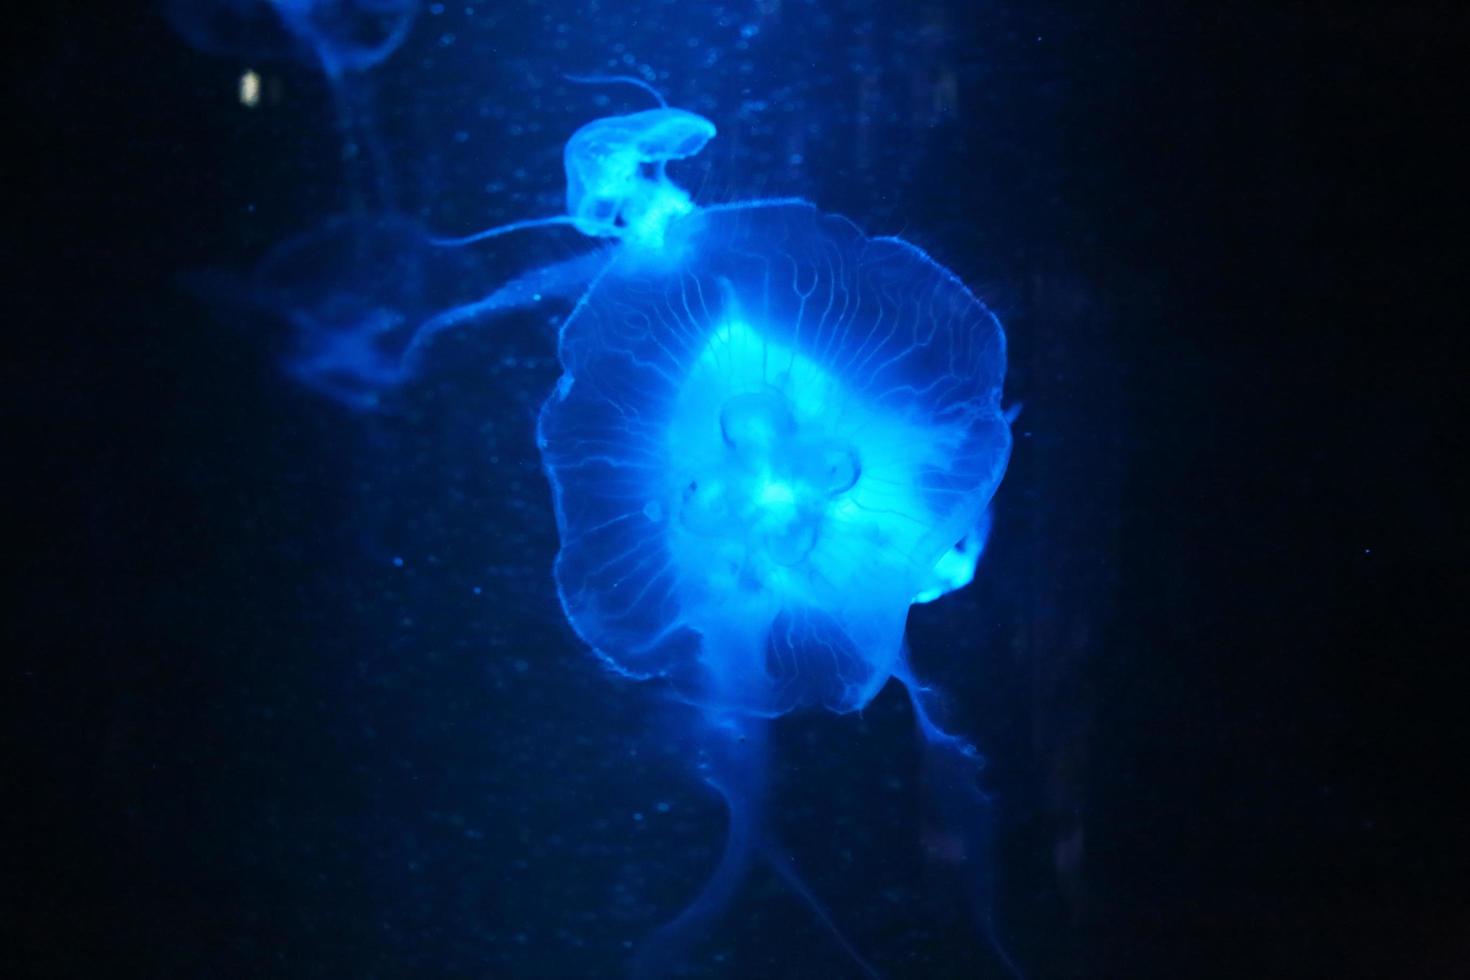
(1216, 652)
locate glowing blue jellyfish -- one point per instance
(772, 436)
(617, 185)
(768, 440)
(777, 429)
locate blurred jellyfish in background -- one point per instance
(355, 291)
(339, 35)
(770, 439)
(343, 38)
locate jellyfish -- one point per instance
(341, 37)
(763, 449)
(772, 435)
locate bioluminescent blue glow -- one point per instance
(763, 451)
(773, 434)
(616, 184)
(778, 437)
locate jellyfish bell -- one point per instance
(793, 426)
(617, 186)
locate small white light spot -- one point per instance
(250, 89)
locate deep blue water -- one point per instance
(304, 699)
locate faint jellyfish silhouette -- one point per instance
(341, 37)
(338, 35)
(354, 290)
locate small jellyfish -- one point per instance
(616, 181)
